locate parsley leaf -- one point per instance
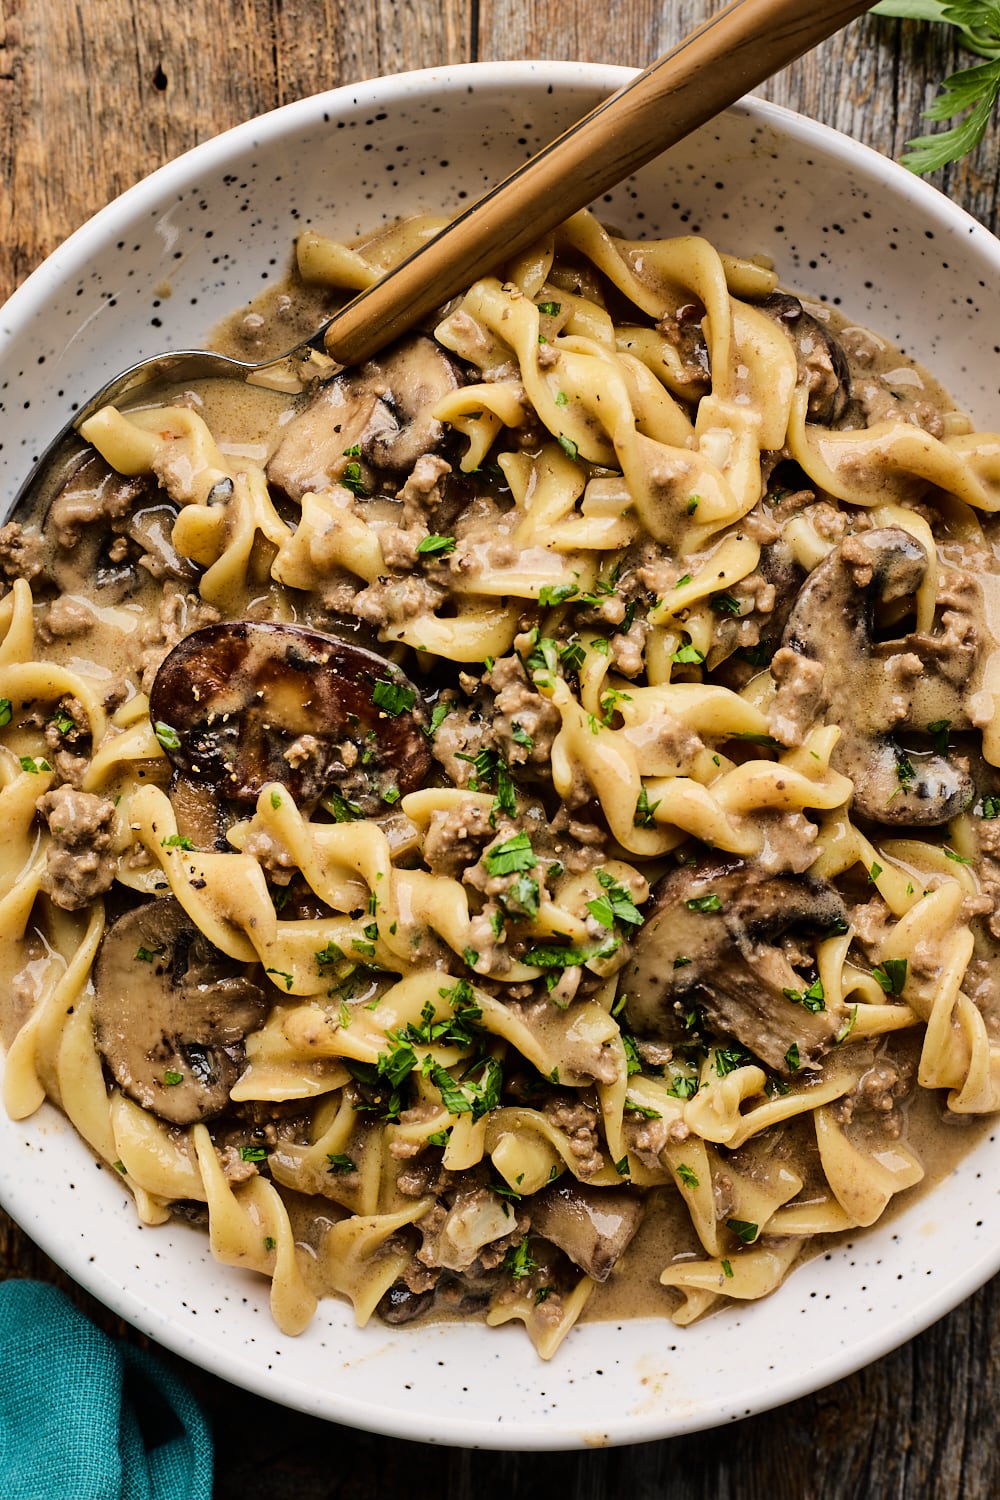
(392, 697)
(615, 905)
(644, 809)
(891, 975)
(971, 91)
(435, 544)
(510, 857)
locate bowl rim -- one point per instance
(66, 261)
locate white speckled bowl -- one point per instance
(216, 226)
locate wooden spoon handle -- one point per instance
(717, 64)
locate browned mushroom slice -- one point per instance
(593, 1226)
(823, 367)
(876, 688)
(721, 939)
(171, 1013)
(243, 703)
(87, 526)
(380, 414)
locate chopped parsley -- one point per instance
(727, 1270)
(644, 809)
(6, 711)
(328, 956)
(510, 857)
(518, 1261)
(725, 604)
(693, 502)
(392, 697)
(172, 1079)
(683, 1086)
(939, 732)
(990, 807)
(34, 764)
(281, 974)
(743, 1230)
(687, 1175)
(616, 904)
(792, 1059)
(167, 735)
(341, 809)
(471, 1094)
(551, 594)
(352, 480)
(550, 309)
(688, 656)
(634, 1108)
(492, 773)
(728, 1059)
(522, 898)
(177, 841)
(147, 955)
(556, 956)
(521, 736)
(438, 715)
(435, 545)
(814, 998)
(253, 1153)
(890, 975)
(709, 902)
(568, 446)
(340, 1162)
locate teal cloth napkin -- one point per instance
(83, 1417)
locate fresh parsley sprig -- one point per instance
(971, 92)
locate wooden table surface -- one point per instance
(93, 96)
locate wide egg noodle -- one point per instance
(623, 406)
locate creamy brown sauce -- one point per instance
(248, 422)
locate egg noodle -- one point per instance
(697, 891)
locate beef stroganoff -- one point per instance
(518, 819)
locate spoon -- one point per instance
(729, 54)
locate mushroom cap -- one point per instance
(823, 366)
(593, 1226)
(171, 1013)
(382, 413)
(712, 939)
(250, 702)
(874, 688)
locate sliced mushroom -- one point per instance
(823, 367)
(151, 528)
(873, 689)
(401, 1305)
(85, 526)
(593, 1226)
(721, 939)
(381, 414)
(247, 702)
(171, 1013)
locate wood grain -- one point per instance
(96, 93)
